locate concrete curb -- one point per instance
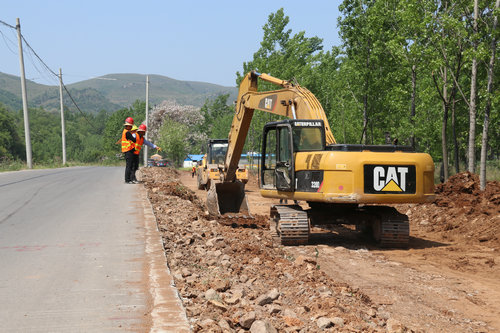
(168, 313)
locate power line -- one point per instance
(5, 39)
(10, 26)
(71, 97)
(40, 59)
(47, 68)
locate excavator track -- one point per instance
(289, 224)
(392, 229)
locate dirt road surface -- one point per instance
(447, 280)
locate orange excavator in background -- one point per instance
(300, 160)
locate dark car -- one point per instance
(162, 163)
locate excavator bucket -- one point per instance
(225, 198)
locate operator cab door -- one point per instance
(278, 170)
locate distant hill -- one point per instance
(110, 92)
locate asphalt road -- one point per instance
(72, 252)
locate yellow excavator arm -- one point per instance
(292, 101)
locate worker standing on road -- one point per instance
(128, 148)
(140, 140)
(135, 159)
(193, 171)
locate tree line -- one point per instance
(89, 137)
(419, 72)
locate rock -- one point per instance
(236, 297)
(247, 320)
(261, 326)
(274, 294)
(218, 304)
(207, 323)
(324, 323)
(211, 262)
(250, 282)
(185, 272)
(224, 325)
(289, 313)
(337, 321)
(211, 294)
(273, 308)
(256, 260)
(191, 279)
(394, 326)
(177, 275)
(383, 314)
(220, 285)
(201, 251)
(292, 321)
(243, 278)
(371, 313)
(263, 300)
(304, 259)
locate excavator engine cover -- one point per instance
(225, 198)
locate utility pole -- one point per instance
(27, 137)
(63, 130)
(147, 123)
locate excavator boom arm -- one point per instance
(292, 101)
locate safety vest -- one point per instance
(138, 144)
(126, 144)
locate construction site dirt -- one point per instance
(232, 277)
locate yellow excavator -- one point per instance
(208, 171)
(300, 160)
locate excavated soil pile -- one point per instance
(233, 279)
(461, 212)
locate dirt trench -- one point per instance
(232, 278)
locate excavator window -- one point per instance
(284, 145)
(270, 153)
(218, 153)
(307, 139)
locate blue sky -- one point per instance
(185, 40)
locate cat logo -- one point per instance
(390, 179)
(393, 181)
(268, 102)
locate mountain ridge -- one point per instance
(110, 92)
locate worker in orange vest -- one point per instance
(193, 170)
(128, 148)
(139, 142)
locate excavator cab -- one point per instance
(281, 140)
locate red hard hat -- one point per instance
(129, 121)
(142, 127)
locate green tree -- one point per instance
(285, 56)
(173, 140)
(217, 117)
(11, 144)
